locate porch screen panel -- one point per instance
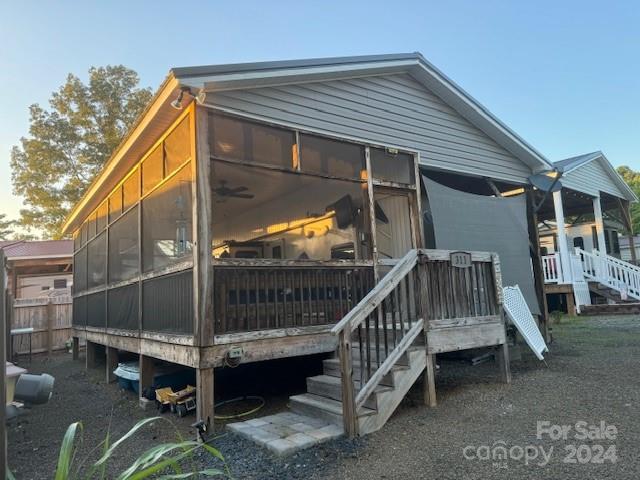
(79, 314)
(80, 271)
(464, 221)
(166, 222)
(123, 247)
(167, 303)
(97, 261)
(123, 307)
(96, 310)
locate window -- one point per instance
(101, 216)
(331, 157)
(615, 242)
(97, 261)
(115, 204)
(594, 237)
(235, 139)
(59, 283)
(392, 167)
(123, 247)
(166, 222)
(260, 213)
(177, 147)
(578, 242)
(131, 190)
(152, 170)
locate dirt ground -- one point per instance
(592, 377)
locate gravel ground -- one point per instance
(591, 377)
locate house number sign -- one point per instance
(460, 259)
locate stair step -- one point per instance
(331, 387)
(322, 407)
(332, 368)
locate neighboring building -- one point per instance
(39, 268)
(625, 248)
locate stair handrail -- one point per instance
(352, 402)
(611, 271)
(371, 301)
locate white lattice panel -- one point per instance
(520, 315)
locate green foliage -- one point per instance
(6, 227)
(165, 461)
(69, 143)
(632, 178)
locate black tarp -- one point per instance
(465, 221)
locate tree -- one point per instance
(6, 229)
(632, 178)
(69, 143)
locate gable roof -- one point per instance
(573, 167)
(15, 249)
(211, 78)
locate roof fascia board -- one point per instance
(41, 257)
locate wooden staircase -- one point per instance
(324, 392)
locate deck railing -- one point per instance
(425, 286)
(552, 268)
(260, 294)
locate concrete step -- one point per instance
(317, 406)
(331, 387)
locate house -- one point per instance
(38, 268)
(628, 253)
(279, 209)
(580, 233)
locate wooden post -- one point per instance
(536, 260)
(147, 370)
(349, 414)
(51, 315)
(3, 359)
(430, 381)
(111, 364)
(571, 304)
(75, 347)
(503, 360)
(204, 396)
(91, 354)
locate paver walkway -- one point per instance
(285, 433)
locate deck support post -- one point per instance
(147, 369)
(571, 304)
(111, 364)
(536, 260)
(429, 387)
(75, 348)
(597, 213)
(204, 396)
(349, 413)
(503, 361)
(90, 356)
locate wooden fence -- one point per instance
(50, 319)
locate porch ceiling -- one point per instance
(574, 203)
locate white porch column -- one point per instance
(597, 211)
(563, 247)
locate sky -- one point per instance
(565, 75)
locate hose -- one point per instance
(239, 399)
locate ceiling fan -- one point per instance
(224, 191)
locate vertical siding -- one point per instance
(591, 179)
(390, 110)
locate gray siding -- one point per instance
(591, 179)
(391, 110)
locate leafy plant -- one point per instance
(164, 461)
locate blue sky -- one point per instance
(564, 75)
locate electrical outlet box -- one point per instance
(235, 352)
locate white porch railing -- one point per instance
(611, 272)
(552, 268)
